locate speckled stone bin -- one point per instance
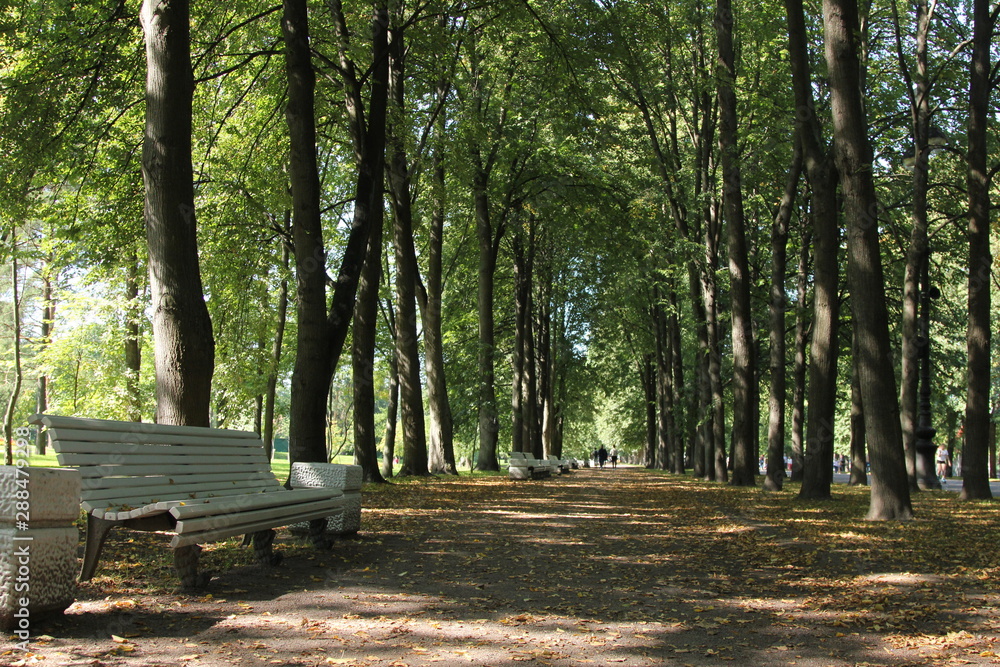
(348, 478)
(38, 543)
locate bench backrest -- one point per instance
(137, 463)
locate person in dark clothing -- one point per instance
(602, 456)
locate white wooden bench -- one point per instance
(523, 466)
(561, 465)
(200, 484)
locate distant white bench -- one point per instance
(523, 466)
(200, 484)
(561, 465)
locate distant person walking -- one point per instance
(614, 457)
(602, 456)
(943, 461)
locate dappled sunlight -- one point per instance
(635, 569)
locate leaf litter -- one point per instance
(624, 566)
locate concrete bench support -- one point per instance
(347, 478)
(38, 541)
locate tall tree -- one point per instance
(775, 478)
(890, 494)
(975, 473)
(407, 274)
(182, 330)
(743, 449)
(322, 333)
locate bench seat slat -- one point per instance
(179, 487)
(223, 532)
(203, 507)
(230, 504)
(129, 504)
(179, 458)
(150, 470)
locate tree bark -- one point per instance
(975, 454)
(800, 367)
(15, 391)
(890, 495)
(442, 429)
(391, 415)
(817, 459)
(133, 339)
(365, 328)
(775, 478)
(407, 342)
(859, 452)
(45, 339)
(277, 345)
(321, 333)
(917, 440)
(742, 446)
(184, 347)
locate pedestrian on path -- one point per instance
(614, 457)
(943, 461)
(602, 456)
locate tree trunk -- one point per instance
(133, 340)
(407, 342)
(365, 328)
(15, 391)
(48, 318)
(975, 475)
(817, 459)
(321, 334)
(917, 436)
(664, 430)
(890, 495)
(489, 421)
(648, 374)
(677, 386)
(391, 414)
(442, 430)
(184, 347)
(271, 391)
(800, 367)
(775, 477)
(742, 446)
(310, 375)
(859, 452)
(715, 460)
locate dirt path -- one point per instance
(611, 567)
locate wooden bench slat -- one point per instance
(117, 487)
(125, 439)
(203, 507)
(147, 470)
(179, 458)
(142, 497)
(185, 539)
(82, 423)
(121, 449)
(251, 498)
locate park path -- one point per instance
(597, 567)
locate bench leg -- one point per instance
(317, 534)
(97, 532)
(186, 565)
(263, 548)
